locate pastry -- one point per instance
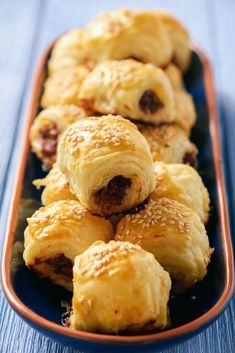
(56, 187)
(63, 87)
(184, 110)
(175, 235)
(182, 183)
(131, 89)
(48, 126)
(67, 52)
(118, 287)
(179, 38)
(175, 76)
(169, 143)
(118, 34)
(107, 162)
(56, 234)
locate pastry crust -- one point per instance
(169, 143)
(56, 187)
(131, 89)
(119, 286)
(63, 87)
(184, 109)
(182, 183)
(59, 232)
(108, 164)
(175, 76)
(67, 52)
(175, 235)
(47, 128)
(179, 38)
(118, 34)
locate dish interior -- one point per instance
(46, 299)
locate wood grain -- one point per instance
(26, 27)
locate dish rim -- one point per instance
(169, 334)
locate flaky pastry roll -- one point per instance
(67, 52)
(108, 164)
(175, 235)
(118, 34)
(47, 128)
(131, 89)
(56, 187)
(182, 183)
(169, 143)
(56, 234)
(63, 87)
(119, 286)
(179, 38)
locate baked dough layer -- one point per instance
(59, 232)
(175, 235)
(47, 128)
(119, 286)
(108, 164)
(182, 183)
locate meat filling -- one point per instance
(49, 139)
(149, 103)
(62, 265)
(190, 158)
(114, 192)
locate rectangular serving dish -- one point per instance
(39, 302)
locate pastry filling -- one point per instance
(49, 139)
(62, 265)
(114, 192)
(149, 103)
(190, 158)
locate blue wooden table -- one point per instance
(26, 27)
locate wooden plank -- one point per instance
(17, 28)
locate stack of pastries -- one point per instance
(123, 218)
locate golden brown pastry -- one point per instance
(184, 109)
(108, 164)
(175, 76)
(119, 286)
(118, 34)
(47, 127)
(131, 89)
(59, 232)
(175, 235)
(56, 187)
(169, 143)
(63, 87)
(67, 52)
(179, 38)
(182, 183)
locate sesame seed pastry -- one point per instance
(47, 128)
(131, 89)
(175, 235)
(119, 287)
(175, 76)
(63, 87)
(117, 34)
(169, 143)
(179, 37)
(108, 164)
(55, 185)
(56, 234)
(182, 183)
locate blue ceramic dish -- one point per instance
(39, 302)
